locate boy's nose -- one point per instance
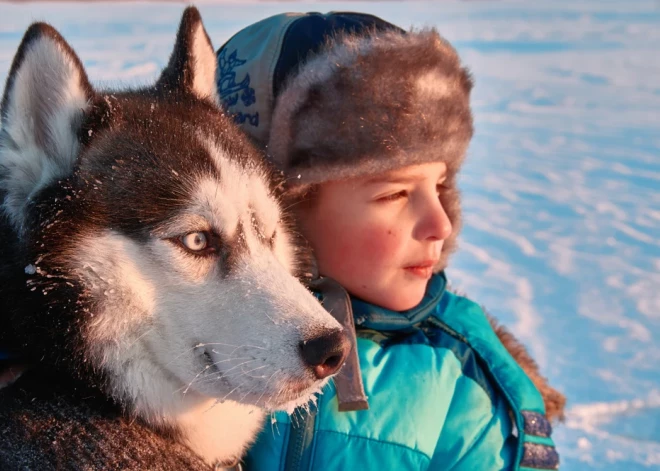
(435, 224)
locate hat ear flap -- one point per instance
(192, 65)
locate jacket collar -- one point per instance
(370, 316)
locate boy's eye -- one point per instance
(394, 196)
(441, 188)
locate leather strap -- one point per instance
(348, 382)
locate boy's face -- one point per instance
(380, 236)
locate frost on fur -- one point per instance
(47, 91)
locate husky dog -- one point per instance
(146, 270)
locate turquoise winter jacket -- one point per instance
(444, 394)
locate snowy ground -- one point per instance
(561, 188)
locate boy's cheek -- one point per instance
(379, 244)
(357, 253)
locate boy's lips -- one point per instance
(423, 264)
(422, 269)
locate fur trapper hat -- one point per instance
(345, 95)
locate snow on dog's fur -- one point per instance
(145, 256)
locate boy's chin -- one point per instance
(405, 304)
(404, 297)
(397, 293)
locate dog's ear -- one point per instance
(46, 94)
(192, 65)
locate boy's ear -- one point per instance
(192, 65)
(46, 94)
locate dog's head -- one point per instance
(152, 245)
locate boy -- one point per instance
(370, 125)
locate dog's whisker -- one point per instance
(270, 318)
(199, 345)
(299, 411)
(212, 378)
(228, 345)
(206, 368)
(265, 389)
(213, 350)
(230, 392)
(279, 392)
(215, 403)
(254, 369)
(148, 331)
(232, 359)
(295, 418)
(186, 388)
(273, 424)
(242, 399)
(224, 374)
(236, 366)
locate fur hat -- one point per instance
(344, 95)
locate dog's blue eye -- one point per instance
(195, 241)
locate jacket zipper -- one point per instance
(300, 439)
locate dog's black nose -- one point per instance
(326, 353)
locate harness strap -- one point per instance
(348, 382)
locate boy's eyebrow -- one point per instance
(393, 178)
